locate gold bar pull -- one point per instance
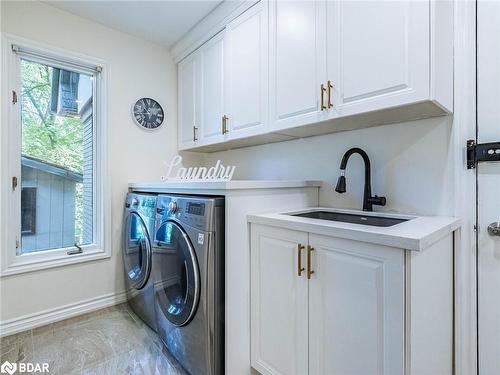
(300, 247)
(194, 133)
(224, 124)
(330, 87)
(310, 249)
(323, 89)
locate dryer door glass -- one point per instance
(177, 288)
(136, 251)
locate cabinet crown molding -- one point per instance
(208, 27)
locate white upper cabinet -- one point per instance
(286, 69)
(356, 308)
(189, 101)
(247, 73)
(212, 89)
(378, 54)
(297, 62)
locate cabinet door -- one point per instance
(189, 100)
(212, 89)
(247, 69)
(297, 62)
(278, 302)
(378, 54)
(356, 308)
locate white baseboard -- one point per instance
(26, 322)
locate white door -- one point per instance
(378, 54)
(488, 182)
(212, 89)
(356, 308)
(189, 100)
(297, 62)
(247, 72)
(278, 301)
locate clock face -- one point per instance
(148, 113)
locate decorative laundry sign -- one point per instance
(218, 172)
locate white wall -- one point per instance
(136, 68)
(411, 165)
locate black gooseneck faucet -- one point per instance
(368, 200)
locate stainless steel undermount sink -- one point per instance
(376, 221)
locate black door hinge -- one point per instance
(14, 97)
(478, 152)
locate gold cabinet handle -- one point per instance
(300, 247)
(330, 87)
(194, 133)
(310, 249)
(224, 124)
(323, 89)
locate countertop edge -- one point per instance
(362, 233)
(225, 185)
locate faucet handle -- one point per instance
(379, 201)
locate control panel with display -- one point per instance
(193, 208)
(193, 212)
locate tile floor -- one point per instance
(109, 341)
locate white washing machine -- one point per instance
(138, 227)
(188, 254)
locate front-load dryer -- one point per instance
(138, 227)
(188, 253)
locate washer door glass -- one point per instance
(136, 251)
(177, 288)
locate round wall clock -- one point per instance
(147, 113)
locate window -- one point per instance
(28, 210)
(56, 154)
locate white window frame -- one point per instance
(10, 161)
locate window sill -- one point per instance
(24, 264)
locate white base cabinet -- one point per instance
(324, 306)
(356, 308)
(279, 341)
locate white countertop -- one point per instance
(417, 233)
(168, 186)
